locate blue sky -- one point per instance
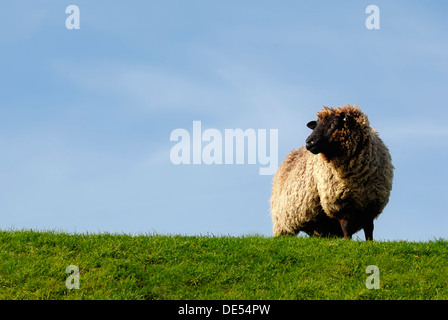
(86, 115)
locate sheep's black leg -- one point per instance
(345, 225)
(368, 230)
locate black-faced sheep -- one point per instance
(338, 184)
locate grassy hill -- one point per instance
(33, 265)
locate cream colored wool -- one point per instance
(354, 186)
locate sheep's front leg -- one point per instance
(346, 228)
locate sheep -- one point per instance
(336, 185)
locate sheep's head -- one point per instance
(337, 132)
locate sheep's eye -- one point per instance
(335, 122)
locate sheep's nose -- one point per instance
(309, 141)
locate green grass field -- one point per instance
(33, 265)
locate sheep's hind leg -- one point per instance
(350, 227)
(368, 230)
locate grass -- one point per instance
(32, 266)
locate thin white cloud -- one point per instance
(230, 93)
(152, 88)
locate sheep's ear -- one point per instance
(344, 116)
(312, 125)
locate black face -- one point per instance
(320, 140)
